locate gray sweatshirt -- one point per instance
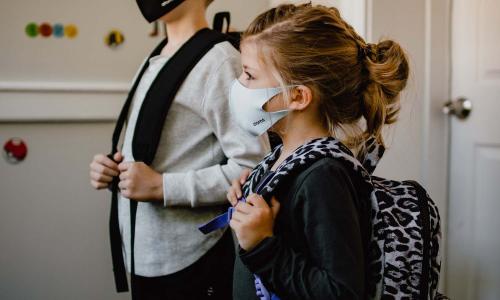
(198, 135)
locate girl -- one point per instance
(302, 221)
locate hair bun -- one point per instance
(388, 71)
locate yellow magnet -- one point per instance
(114, 39)
(71, 31)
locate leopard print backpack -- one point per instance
(404, 257)
(406, 236)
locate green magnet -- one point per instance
(31, 30)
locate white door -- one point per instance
(474, 205)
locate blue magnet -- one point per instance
(58, 30)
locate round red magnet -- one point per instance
(45, 30)
(15, 150)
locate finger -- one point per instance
(127, 194)
(244, 208)
(124, 166)
(234, 224)
(98, 185)
(124, 176)
(250, 198)
(124, 185)
(106, 161)
(118, 157)
(109, 172)
(257, 201)
(100, 177)
(236, 186)
(275, 206)
(102, 169)
(237, 217)
(244, 175)
(231, 197)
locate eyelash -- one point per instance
(250, 77)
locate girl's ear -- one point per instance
(301, 98)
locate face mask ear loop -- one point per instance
(284, 131)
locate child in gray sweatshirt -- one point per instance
(201, 149)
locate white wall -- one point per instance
(53, 225)
(49, 215)
(81, 79)
(242, 12)
(406, 26)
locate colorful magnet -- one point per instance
(45, 29)
(114, 39)
(31, 30)
(15, 150)
(71, 31)
(58, 30)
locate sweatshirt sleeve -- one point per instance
(209, 186)
(333, 267)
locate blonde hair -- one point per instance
(313, 46)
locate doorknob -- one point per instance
(461, 108)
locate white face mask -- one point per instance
(247, 107)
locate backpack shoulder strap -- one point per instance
(119, 271)
(370, 154)
(122, 117)
(162, 92)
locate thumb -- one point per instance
(275, 207)
(244, 175)
(118, 157)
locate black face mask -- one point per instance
(152, 10)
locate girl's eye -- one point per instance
(249, 76)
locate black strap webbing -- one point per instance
(233, 37)
(150, 121)
(218, 23)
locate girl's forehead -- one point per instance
(251, 56)
(249, 51)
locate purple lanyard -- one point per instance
(222, 221)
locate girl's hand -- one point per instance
(234, 192)
(253, 221)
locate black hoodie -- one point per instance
(321, 234)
